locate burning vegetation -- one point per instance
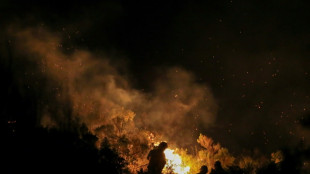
(94, 106)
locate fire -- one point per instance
(174, 162)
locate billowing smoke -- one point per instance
(88, 88)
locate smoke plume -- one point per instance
(88, 88)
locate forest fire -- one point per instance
(175, 163)
(118, 124)
(179, 161)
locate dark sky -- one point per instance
(254, 55)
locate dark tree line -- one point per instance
(59, 151)
(27, 147)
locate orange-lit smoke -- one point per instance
(106, 102)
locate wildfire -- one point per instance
(174, 163)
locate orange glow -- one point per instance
(174, 162)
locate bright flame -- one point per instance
(174, 162)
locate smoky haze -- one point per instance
(235, 71)
(97, 94)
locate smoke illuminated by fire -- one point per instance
(103, 99)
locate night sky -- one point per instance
(252, 55)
